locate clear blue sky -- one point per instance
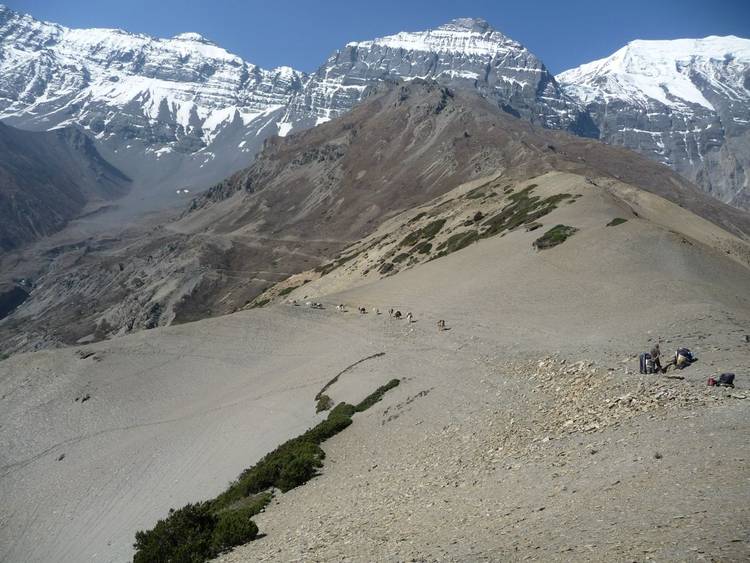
(302, 33)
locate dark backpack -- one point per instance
(726, 379)
(645, 363)
(687, 354)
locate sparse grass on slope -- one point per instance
(616, 221)
(197, 532)
(556, 235)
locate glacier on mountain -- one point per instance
(683, 102)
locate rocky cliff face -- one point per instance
(685, 103)
(466, 52)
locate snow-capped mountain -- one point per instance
(684, 102)
(185, 112)
(466, 52)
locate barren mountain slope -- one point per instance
(482, 453)
(46, 179)
(524, 431)
(306, 198)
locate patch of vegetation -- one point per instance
(556, 235)
(194, 533)
(198, 532)
(412, 238)
(424, 248)
(385, 268)
(457, 242)
(400, 258)
(533, 226)
(523, 208)
(259, 304)
(427, 232)
(288, 290)
(3, 356)
(477, 193)
(431, 229)
(341, 260)
(616, 221)
(417, 217)
(324, 403)
(375, 396)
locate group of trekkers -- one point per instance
(650, 362)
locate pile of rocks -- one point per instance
(582, 397)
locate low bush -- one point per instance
(556, 235)
(427, 232)
(385, 268)
(324, 403)
(288, 290)
(616, 221)
(200, 531)
(375, 396)
(523, 209)
(185, 535)
(233, 528)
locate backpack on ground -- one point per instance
(646, 363)
(726, 379)
(685, 353)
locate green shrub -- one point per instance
(400, 258)
(324, 403)
(200, 531)
(411, 239)
(424, 248)
(259, 304)
(556, 235)
(431, 229)
(185, 536)
(458, 241)
(417, 217)
(233, 528)
(3, 356)
(427, 232)
(376, 395)
(616, 221)
(385, 268)
(523, 208)
(288, 290)
(476, 193)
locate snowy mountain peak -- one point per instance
(192, 36)
(477, 25)
(467, 36)
(683, 102)
(663, 71)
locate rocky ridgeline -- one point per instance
(188, 105)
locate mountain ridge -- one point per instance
(682, 102)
